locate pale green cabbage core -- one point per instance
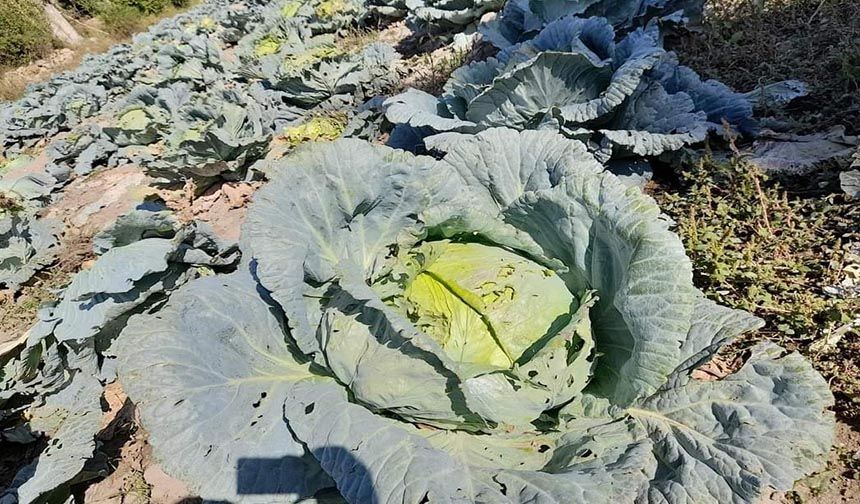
(135, 119)
(485, 305)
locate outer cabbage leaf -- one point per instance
(314, 248)
(70, 420)
(321, 237)
(372, 459)
(27, 245)
(734, 438)
(210, 373)
(447, 14)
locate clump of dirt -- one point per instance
(8, 204)
(90, 203)
(222, 205)
(750, 43)
(133, 477)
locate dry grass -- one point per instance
(768, 246)
(355, 39)
(12, 87)
(18, 310)
(14, 80)
(748, 43)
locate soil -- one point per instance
(136, 478)
(750, 43)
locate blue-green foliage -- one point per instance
(624, 97)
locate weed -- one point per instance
(123, 18)
(849, 65)
(354, 40)
(9, 205)
(757, 247)
(748, 43)
(432, 70)
(24, 32)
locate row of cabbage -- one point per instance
(503, 320)
(199, 97)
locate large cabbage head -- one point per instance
(215, 134)
(522, 19)
(626, 97)
(510, 324)
(147, 113)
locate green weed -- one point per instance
(761, 248)
(24, 32)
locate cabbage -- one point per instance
(625, 98)
(27, 245)
(520, 20)
(148, 112)
(219, 135)
(448, 14)
(508, 324)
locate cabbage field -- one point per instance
(417, 252)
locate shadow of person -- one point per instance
(303, 476)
